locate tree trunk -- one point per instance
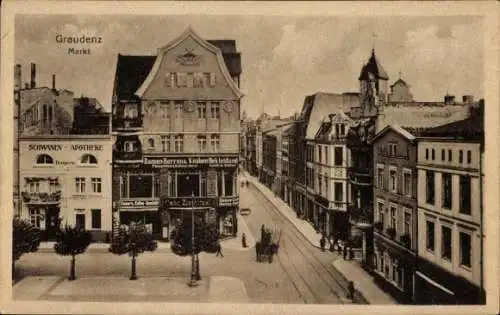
(198, 276)
(133, 276)
(72, 275)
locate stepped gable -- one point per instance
(132, 70)
(373, 69)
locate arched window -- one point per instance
(151, 143)
(44, 159)
(88, 159)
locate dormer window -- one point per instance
(129, 146)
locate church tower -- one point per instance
(373, 86)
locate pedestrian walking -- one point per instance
(219, 251)
(322, 243)
(350, 288)
(243, 240)
(262, 231)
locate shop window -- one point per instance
(465, 195)
(228, 183)
(465, 249)
(140, 185)
(36, 217)
(44, 159)
(430, 242)
(96, 219)
(430, 188)
(96, 184)
(446, 243)
(88, 159)
(80, 185)
(447, 190)
(188, 185)
(80, 220)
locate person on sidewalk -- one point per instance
(219, 251)
(350, 288)
(262, 231)
(322, 243)
(243, 240)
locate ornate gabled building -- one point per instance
(176, 120)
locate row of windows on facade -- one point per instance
(391, 213)
(31, 116)
(446, 250)
(389, 267)
(391, 150)
(190, 79)
(338, 153)
(202, 108)
(323, 185)
(36, 218)
(432, 155)
(464, 191)
(178, 144)
(148, 185)
(47, 159)
(393, 180)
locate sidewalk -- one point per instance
(234, 243)
(48, 247)
(350, 270)
(363, 282)
(303, 226)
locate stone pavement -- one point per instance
(164, 289)
(351, 270)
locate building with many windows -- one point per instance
(66, 179)
(450, 214)
(331, 161)
(176, 119)
(395, 210)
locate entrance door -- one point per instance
(53, 222)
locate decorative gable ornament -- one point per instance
(189, 106)
(228, 106)
(189, 58)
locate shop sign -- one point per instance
(191, 162)
(139, 203)
(228, 201)
(322, 201)
(189, 202)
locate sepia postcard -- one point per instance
(249, 157)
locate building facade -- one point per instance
(66, 179)
(332, 159)
(395, 211)
(176, 117)
(450, 214)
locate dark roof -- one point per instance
(324, 130)
(471, 128)
(131, 71)
(373, 67)
(400, 81)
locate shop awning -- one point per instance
(437, 285)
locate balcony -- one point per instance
(127, 124)
(41, 197)
(125, 156)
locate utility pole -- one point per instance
(192, 281)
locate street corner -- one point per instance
(227, 290)
(236, 243)
(33, 288)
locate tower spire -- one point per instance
(374, 36)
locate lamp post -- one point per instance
(192, 281)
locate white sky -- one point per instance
(283, 58)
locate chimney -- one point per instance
(33, 75)
(17, 78)
(449, 99)
(53, 81)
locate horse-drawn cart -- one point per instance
(268, 246)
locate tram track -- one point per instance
(324, 278)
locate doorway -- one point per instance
(53, 223)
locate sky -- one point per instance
(284, 58)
